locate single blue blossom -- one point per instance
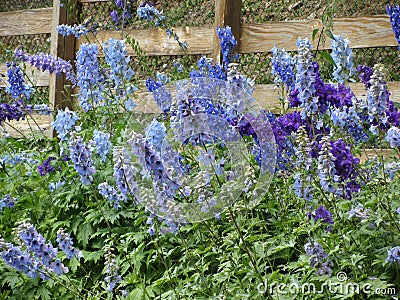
(16, 87)
(89, 78)
(64, 123)
(53, 186)
(359, 212)
(110, 193)
(66, 244)
(342, 55)
(394, 14)
(227, 42)
(393, 137)
(393, 255)
(7, 201)
(81, 156)
(75, 30)
(102, 143)
(283, 68)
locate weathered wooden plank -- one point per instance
(156, 42)
(227, 13)
(32, 75)
(31, 21)
(28, 127)
(363, 32)
(386, 154)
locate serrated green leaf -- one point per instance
(92, 256)
(85, 231)
(11, 278)
(43, 293)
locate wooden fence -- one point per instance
(363, 32)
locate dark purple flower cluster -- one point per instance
(46, 166)
(123, 13)
(286, 124)
(283, 126)
(394, 14)
(15, 111)
(346, 166)
(365, 74)
(328, 95)
(47, 62)
(393, 115)
(289, 123)
(321, 213)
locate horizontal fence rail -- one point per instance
(32, 21)
(363, 32)
(155, 42)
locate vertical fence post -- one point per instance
(227, 13)
(62, 47)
